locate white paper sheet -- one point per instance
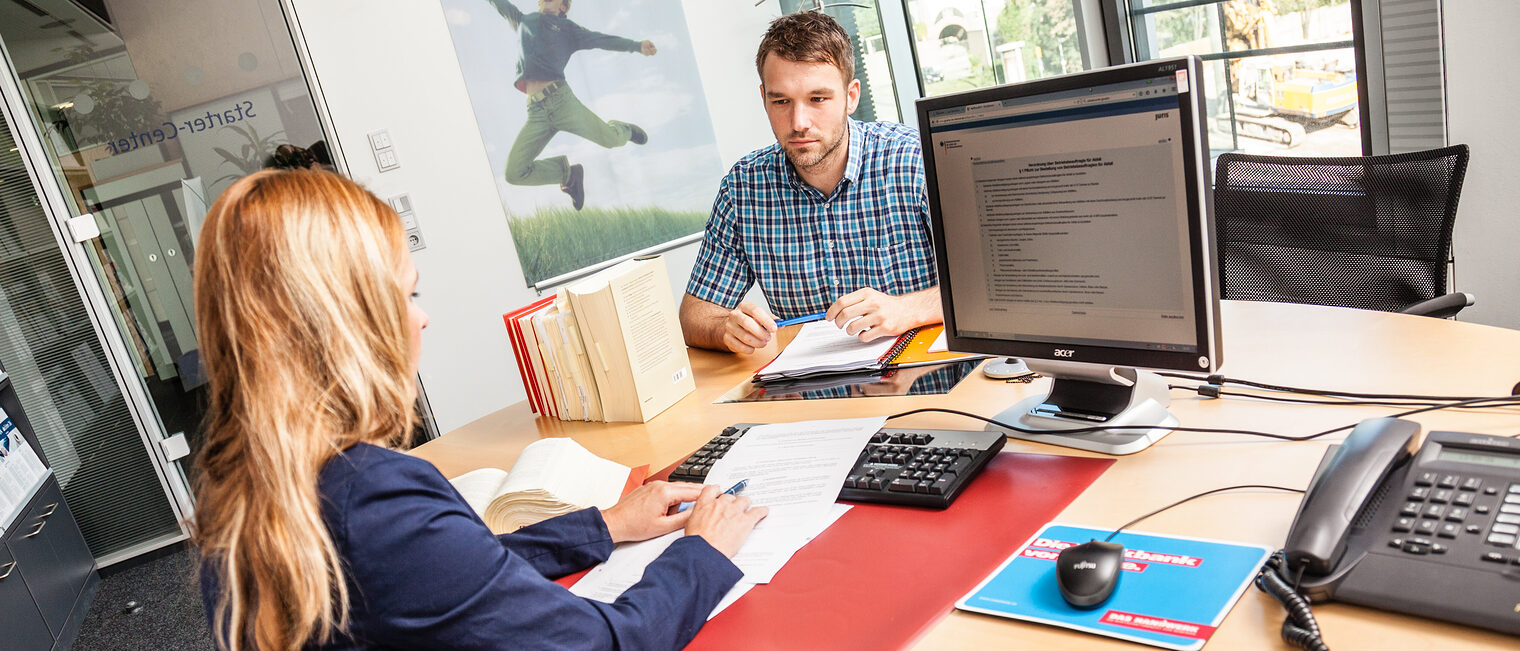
(821, 346)
(796, 470)
(625, 567)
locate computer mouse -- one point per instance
(1087, 573)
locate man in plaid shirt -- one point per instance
(832, 218)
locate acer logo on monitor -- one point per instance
(1065, 352)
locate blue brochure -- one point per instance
(1173, 593)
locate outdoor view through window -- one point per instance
(1281, 73)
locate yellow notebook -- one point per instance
(915, 352)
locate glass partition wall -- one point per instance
(141, 113)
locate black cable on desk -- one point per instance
(1214, 391)
(1222, 380)
(1190, 498)
(1492, 401)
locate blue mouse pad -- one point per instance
(1173, 592)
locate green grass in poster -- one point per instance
(556, 241)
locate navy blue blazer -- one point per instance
(425, 573)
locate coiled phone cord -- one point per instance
(1299, 629)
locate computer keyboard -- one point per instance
(911, 467)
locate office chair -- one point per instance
(1371, 232)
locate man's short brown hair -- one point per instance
(807, 37)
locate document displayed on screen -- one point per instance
(1078, 207)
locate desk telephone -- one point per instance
(1430, 532)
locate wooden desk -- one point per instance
(1298, 345)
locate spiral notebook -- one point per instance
(821, 348)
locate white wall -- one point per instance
(389, 64)
(1482, 95)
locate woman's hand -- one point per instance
(649, 511)
(723, 520)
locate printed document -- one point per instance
(794, 469)
(822, 347)
(625, 567)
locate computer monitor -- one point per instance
(1073, 229)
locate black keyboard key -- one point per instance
(902, 485)
(941, 484)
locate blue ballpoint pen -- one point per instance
(732, 490)
(808, 318)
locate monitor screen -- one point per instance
(1071, 218)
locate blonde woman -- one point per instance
(315, 533)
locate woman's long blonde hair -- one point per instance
(304, 338)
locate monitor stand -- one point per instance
(1088, 395)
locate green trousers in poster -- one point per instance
(550, 111)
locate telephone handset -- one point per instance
(1433, 532)
(1345, 480)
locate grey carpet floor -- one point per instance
(169, 615)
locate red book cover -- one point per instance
(524, 359)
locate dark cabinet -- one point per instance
(51, 555)
(47, 573)
(23, 623)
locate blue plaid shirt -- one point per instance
(806, 248)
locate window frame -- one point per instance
(1118, 24)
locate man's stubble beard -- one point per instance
(802, 164)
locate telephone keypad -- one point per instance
(1439, 505)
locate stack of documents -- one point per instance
(822, 348)
(794, 469)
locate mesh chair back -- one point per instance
(1371, 232)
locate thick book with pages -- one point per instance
(551, 477)
(822, 348)
(607, 348)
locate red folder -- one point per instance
(536, 402)
(882, 575)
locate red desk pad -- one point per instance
(882, 575)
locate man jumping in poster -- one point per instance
(548, 40)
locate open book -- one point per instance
(551, 477)
(822, 348)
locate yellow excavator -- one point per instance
(1274, 101)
